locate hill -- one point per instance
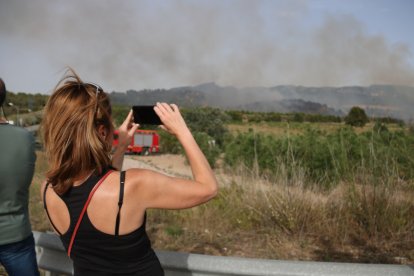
(377, 100)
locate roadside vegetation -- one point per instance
(291, 188)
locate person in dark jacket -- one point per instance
(17, 162)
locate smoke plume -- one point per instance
(155, 44)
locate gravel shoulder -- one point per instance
(170, 164)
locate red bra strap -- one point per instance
(85, 207)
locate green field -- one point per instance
(293, 191)
(293, 128)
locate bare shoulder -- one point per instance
(141, 177)
(144, 181)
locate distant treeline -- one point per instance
(237, 116)
(26, 102)
(250, 116)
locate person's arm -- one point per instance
(32, 156)
(126, 131)
(160, 191)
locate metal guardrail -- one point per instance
(52, 257)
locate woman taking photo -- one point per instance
(98, 211)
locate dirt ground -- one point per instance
(170, 164)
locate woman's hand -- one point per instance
(171, 118)
(126, 131)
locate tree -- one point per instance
(298, 117)
(208, 120)
(356, 117)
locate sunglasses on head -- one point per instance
(98, 88)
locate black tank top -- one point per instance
(98, 253)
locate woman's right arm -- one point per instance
(160, 191)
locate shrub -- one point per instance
(356, 117)
(298, 117)
(119, 113)
(235, 115)
(208, 120)
(390, 120)
(208, 146)
(325, 158)
(169, 143)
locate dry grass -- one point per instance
(255, 218)
(38, 216)
(294, 128)
(252, 217)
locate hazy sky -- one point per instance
(129, 44)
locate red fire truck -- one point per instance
(144, 142)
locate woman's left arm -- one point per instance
(126, 131)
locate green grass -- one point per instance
(365, 217)
(295, 128)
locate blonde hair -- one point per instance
(70, 131)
